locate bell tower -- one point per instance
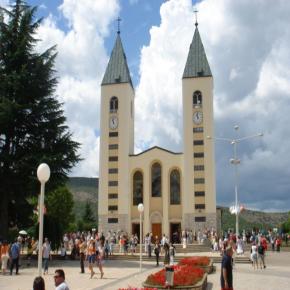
(199, 203)
(116, 141)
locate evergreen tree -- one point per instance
(88, 216)
(32, 123)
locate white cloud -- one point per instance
(248, 51)
(249, 57)
(80, 64)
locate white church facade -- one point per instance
(177, 189)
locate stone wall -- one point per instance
(190, 224)
(122, 224)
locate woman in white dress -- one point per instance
(254, 256)
(240, 246)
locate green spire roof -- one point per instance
(117, 70)
(196, 64)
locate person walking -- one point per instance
(254, 256)
(82, 250)
(59, 280)
(166, 254)
(171, 253)
(261, 256)
(4, 256)
(227, 270)
(100, 258)
(46, 255)
(157, 251)
(91, 255)
(14, 256)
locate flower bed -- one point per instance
(203, 262)
(135, 288)
(185, 277)
(195, 261)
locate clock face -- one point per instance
(113, 123)
(197, 117)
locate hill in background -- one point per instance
(249, 219)
(86, 189)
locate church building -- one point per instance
(177, 189)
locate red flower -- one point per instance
(195, 261)
(183, 275)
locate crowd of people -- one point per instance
(93, 248)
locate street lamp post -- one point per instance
(140, 209)
(43, 174)
(235, 161)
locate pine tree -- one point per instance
(32, 122)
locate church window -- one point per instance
(200, 206)
(198, 142)
(113, 183)
(113, 105)
(198, 167)
(113, 146)
(113, 195)
(200, 219)
(198, 155)
(113, 134)
(199, 193)
(137, 188)
(113, 158)
(156, 180)
(112, 220)
(112, 207)
(199, 180)
(197, 129)
(174, 187)
(197, 99)
(113, 170)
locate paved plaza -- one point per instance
(121, 274)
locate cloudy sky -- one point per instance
(247, 44)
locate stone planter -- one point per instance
(200, 285)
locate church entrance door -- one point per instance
(175, 230)
(136, 229)
(156, 231)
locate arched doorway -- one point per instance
(156, 225)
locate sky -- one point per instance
(247, 45)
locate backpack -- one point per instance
(260, 250)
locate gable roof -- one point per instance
(117, 70)
(158, 148)
(196, 64)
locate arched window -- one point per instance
(137, 188)
(114, 105)
(156, 180)
(175, 187)
(197, 99)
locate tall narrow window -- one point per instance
(156, 180)
(137, 188)
(197, 99)
(114, 105)
(174, 187)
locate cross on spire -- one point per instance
(119, 20)
(196, 23)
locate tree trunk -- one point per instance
(4, 215)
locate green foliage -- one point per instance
(59, 216)
(88, 220)
(286, 225)
(88, 214)
(32, 123)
